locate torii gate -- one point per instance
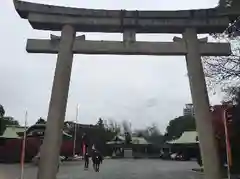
(72, 20)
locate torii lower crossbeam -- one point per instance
(123, 48)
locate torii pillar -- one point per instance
(206, 135)
(57, 108)
(201, 105)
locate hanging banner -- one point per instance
(84, 149)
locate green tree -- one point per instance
(228, 3)
(113, 126)
(11, 121)
(7, 121)
(151, 133)
(154, 135)
(179, 125)
(2, 111)
(98, 136)
(223, 3)
(141, 133)
(128, 137)
(100, 123)
(127, 131)
(41, 121)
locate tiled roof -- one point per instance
(188, 137)
(11, 132)
(135, 140)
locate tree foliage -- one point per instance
(126, 127)
(128, 137)
(228, 3)
(224, 3)
(97, 134)
(100, 123)
(113, 126)
(179, 125)
(2, 111)
(127, 131)
(6, 120)
(41, 121)
(151, 133)
(223, 72)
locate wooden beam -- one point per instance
(121, 48)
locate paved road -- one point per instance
(113, 169)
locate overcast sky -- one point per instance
(141, 89)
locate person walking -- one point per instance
(86, 160)
(96, 159)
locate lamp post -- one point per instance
(227, 117)
(23, 146)
(75, 132)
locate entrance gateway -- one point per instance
(189, 23)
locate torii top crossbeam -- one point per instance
(49, 17)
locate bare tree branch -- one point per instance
(223, 72)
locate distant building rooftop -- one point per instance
(71, 124)
(135, 140)
(188, 137)
(11, 132)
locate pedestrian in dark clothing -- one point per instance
(97, 160)
(86, 159)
